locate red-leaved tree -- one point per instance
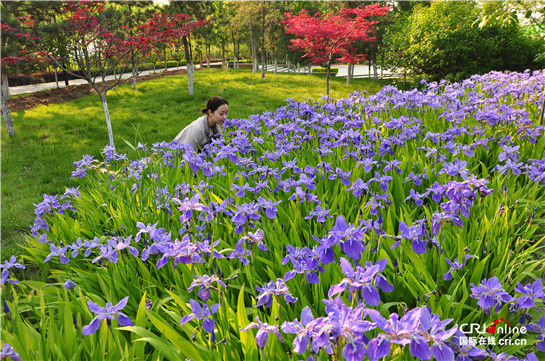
(175, 31)
(98, 48)
(325, 37)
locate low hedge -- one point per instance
(47, 77)
(322, 70)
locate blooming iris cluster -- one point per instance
(349, 131)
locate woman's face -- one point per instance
(218, 117)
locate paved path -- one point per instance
(360, 71)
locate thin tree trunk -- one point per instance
(263, 55)
(542, 108)
(189, 65)
(309, 68)
(5, 110)
(254, 52)
(234, 50)
(349, 74)
(108, 121)
(275, 61)
(5, 84)
(65, 73)
(208, 56)
(56, 78)
(375, 71)
(328, 70)
(298, 68)
(165, 58)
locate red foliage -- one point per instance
(322, 37)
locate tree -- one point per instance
(96, 46)
(324, 37)
(441, 42)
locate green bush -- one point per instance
(440, 41)
(321, 70)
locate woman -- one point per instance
(201, 131)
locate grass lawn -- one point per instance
(49, 138)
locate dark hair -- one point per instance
(213, 104)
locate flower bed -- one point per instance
(403, 224)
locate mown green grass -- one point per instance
(49, 138)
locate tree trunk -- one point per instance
(275, 61)
(328, 70)
(189, 65)
(254, 51)
(208, 56)
(5, 84)
(201, 62)
(108, 121)
(56, 78)
(65, 73)
(349, 74)
(309, 68)
(375, 71)
(234, 51)
(165, 58)
(5, 109)
(223, 55)
(298, 68)
(263, 55)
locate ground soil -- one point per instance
(60, 95)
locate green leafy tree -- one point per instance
(439, 42)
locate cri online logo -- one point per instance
(492, 328)
(500, 327)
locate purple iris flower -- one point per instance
(415, 234)
(240, 252)
(301, 329)
(436, 190)
(12, 263)
(9, 352)
(341, 174)
(106, 252)
(358, 187)
(383, 180)
(253, 239)
(107, 312)
(205, 285)
(187, 206)
(465, 352)
(320, 213)
(71, 192)
(305, 261)
(240, 190)
(351, 238)
(69, 285)
(148, 229)
(273, 289)
(245, 212)
(530, 293)
(57, 252)
(121, 243)
(455, 266)
(434, 330)
(539, 327)
(4, 279)
(345, 323)
(415, 178)
(264, 329)
(367, 164)
(269, 206)
(490, 293)
(417, 197)
(184, 251)
(400, 331)
(363, 279)
(203, 313)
